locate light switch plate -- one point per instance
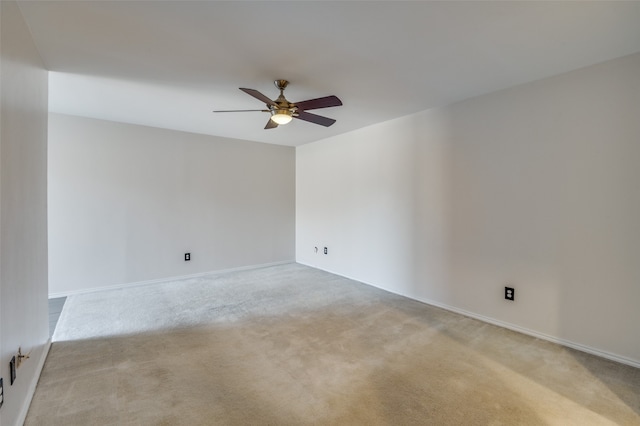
(12, 369)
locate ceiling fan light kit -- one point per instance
(282, 111)
(281, 116)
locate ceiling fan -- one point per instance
(282, 111)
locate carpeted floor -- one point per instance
(291, 345)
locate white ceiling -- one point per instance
(169, 64)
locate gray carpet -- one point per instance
(291, 345)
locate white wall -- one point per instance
(23, 211)
(535, 186)
(126, 202)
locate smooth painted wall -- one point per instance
(127, 201)
(537, 186)
(23, 211)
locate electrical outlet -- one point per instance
(187, 257)
(325, 250)
(509, 293)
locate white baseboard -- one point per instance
(22, 416)
(503, 324)
(533, 333)
(164, 280)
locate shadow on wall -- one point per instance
(430, 203)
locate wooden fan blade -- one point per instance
(243, 110)
(271, 124)
(259, 96)
(313, 118)
(326, 102)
